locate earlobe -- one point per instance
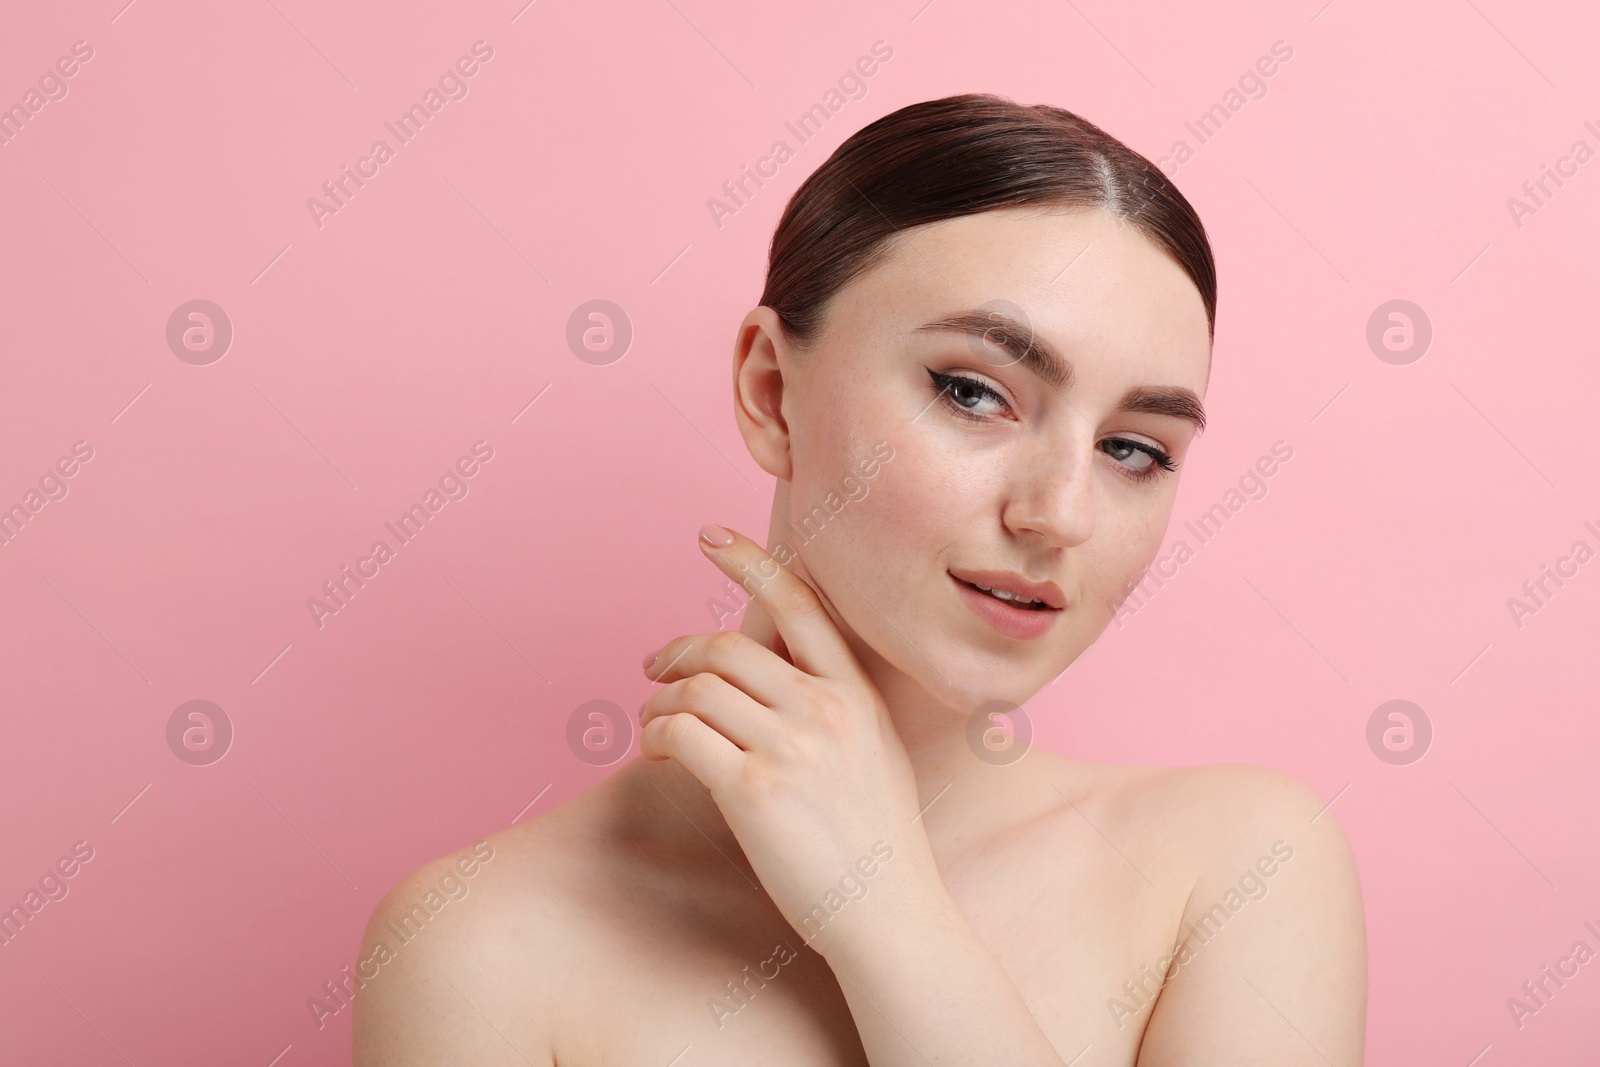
(760, 355)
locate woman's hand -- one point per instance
(801, 757)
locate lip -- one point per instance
(1048, 592)
(1022, 623)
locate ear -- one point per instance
(760, 354)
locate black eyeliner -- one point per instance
(1160, 459)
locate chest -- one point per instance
(715, 976)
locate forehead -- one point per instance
(1089, 284)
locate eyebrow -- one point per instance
(1037, 356)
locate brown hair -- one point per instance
(942, 159)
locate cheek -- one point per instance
(864, 536)
(1119, 561)
(888, 542)
(915, 508)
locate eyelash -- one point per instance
(944, 383)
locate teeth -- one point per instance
(1003, 595)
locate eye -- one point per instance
(967, 396)
(1152, 461)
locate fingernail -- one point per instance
(650, 658)
(715, 536)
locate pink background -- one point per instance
(432, 308)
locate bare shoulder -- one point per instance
(1230, 821)
(1270, 962)
(1214, 804)
(460, 960)
(1200, 816)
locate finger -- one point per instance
(814, 642)
(744, 662)
(712, 700)
(757, 625)
(704, 753)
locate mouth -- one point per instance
(1016, 600)
(1012, 588)
(1011, 611)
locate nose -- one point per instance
(1051, 494)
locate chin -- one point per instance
(966, 676)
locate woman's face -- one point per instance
(994, 468)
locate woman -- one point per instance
(975, 372)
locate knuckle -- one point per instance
(698, 687)
(821, 697)
(798, 598)
(669, 730)
(683, 724)
(833, 710)
(724, 646)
